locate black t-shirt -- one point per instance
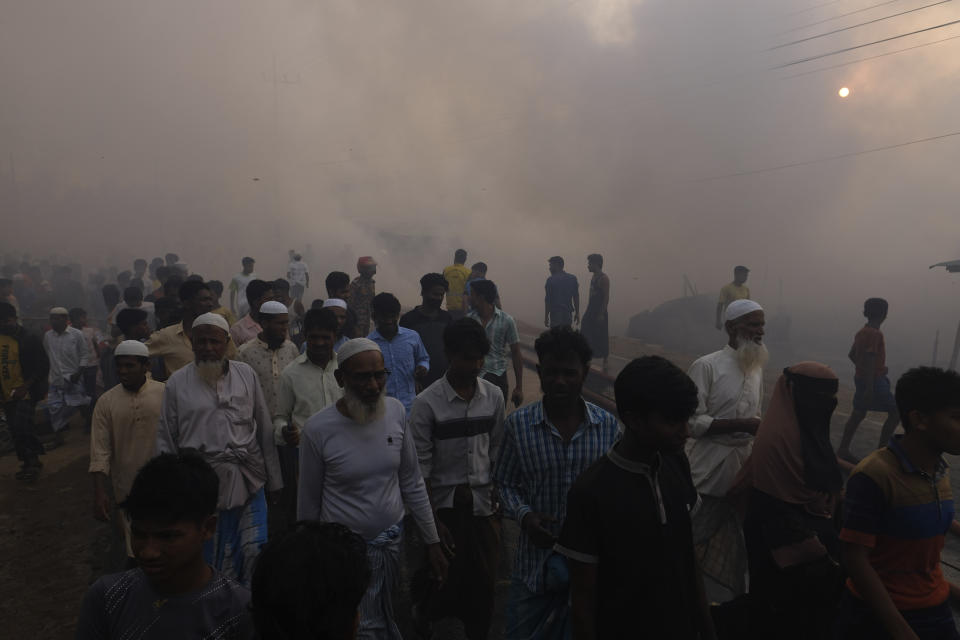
(646, 584)
(431, 334)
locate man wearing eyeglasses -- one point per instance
(359, 467)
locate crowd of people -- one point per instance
(265, 463)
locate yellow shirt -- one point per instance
(733, 291)
(227, 315)
(173, 345)
(123, 434)
(11, 375)
(456, 276)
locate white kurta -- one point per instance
(725, 393)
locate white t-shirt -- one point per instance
(298, 271)
(239, 284)
(362, 476)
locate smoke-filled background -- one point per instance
(649, 131)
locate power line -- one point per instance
(842, 15)
(830, 158)
(862, 24)
(879, 55)
(866, 44)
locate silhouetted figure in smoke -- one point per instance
(736, 290)
(362, 291)
(595, 325)
(562, 302)
(869, 354)
(238, 287)
(456, 276)
(298, 273)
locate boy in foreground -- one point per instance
(898, 508)
(174, 593)
(628, 515)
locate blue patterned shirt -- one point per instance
(535, 469)
(401, 356)
(502, 333)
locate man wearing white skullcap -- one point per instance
(271, 351)
(358, 467)
(216, 406)
(736, 290)
(66, 349)
(339, 308)
(730, 388)
(123, 436)
(269, 354)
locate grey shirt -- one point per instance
(362, 475)
(230, 426)
(125, 605)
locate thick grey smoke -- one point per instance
(516, 130)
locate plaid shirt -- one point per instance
(535, 469)
(502, 333)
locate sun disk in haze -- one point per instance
(844, 92)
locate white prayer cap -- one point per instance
(59, 311)
(334, 302)
(740, 308)
(351, 348)
(212, 319)
(132, 348)
(272, 308)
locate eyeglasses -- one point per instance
(367, 376)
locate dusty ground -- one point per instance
(51, 547)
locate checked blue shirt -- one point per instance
(402, 356)
(535, 470)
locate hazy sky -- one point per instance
(518, 130)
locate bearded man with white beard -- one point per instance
(730, 389)
(216, 407)
(359, 467)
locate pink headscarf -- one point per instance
(776, 465)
